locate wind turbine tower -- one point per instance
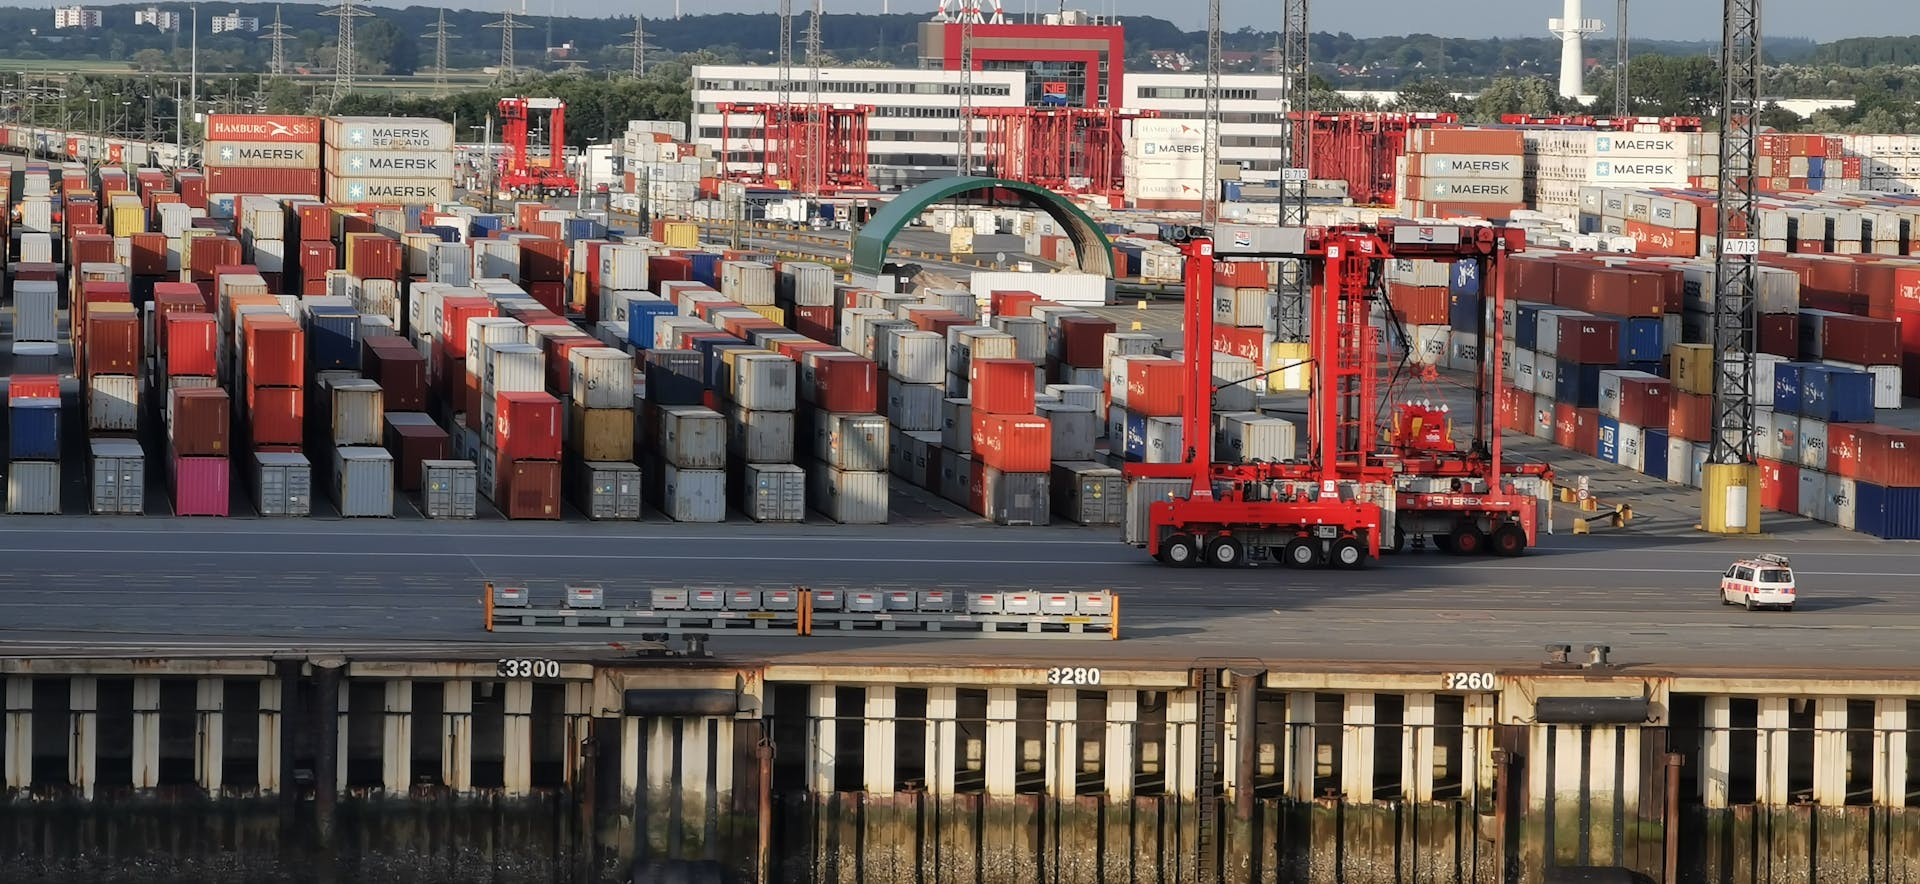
(1572, 31)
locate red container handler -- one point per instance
(410, 444)
(1083, 343)
(528, 489)
(845, 382)
(398, 368)
(189, 344)
(1645, 402)
(1013, 443)
(1154, 387)
(1001, 386)
(1588, 340)
(527, 426)
(276, 351)
(198, 420)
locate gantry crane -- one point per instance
(535, 166)
(1329, 508)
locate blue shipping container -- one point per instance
(333, 338)
(642, 316)
(1464, 310)
(1643, 339)
(1526, 318)
(481, 225)
(1836, 395)
(1136, 437)
(1463, 278)
(584, 228)
(443, 233)
(1655, 448)
(1578, 385)
(1786, 385)
(34, 433)
(1816, 167)
(1609, 445)
(1652, 368)
(1886, 513)
(706, 268)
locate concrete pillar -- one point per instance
(396, 738)
(943, 739)
(1063, 743)
(1716, 752)
(1181, 759)
(1117, 761)
(877, 749)
(1301, 746)
(1356, 747)
(1830, 751)
(146, 733)
(517, 738)
(1416, 748)
(19, 748)
(209, 733)
(1890, 752)
(630, 728)
(343, 742)
(1603, 764)
(1477, 744)
(267, 764)
(83, 711)
(723, 761)
(1770, 755)
(456, 736)
(579, 712)
(822, 738)
(1003, 741)
(661, 772)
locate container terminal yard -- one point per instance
(375, 513)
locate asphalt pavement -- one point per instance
(183, 585)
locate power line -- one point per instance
(441, 33)
(639, 46)
(279, 35)
(1621, 100)
(506, 26)
(1296, 91)
(1210, 124)
(344, 57)
(969, 13)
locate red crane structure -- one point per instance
(814, 149)
(1360, 147)
(534, 164)
(1064, 149)
(1333, 508)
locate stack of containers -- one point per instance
(1143, 417)
(33, 474)
(761, 432)
(1012, 447)
(691, 446)
(389, 160)
(838, 420)
(606, 483)
(197, 450)
(110, 370)
(362, 478)
(1450, 173)
(526, 447)
(262, 154)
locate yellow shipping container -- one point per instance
(681, 235)
(129, 217)
(577, 294)
(1290, 366)
(1693, 368)
(602, 434)
(1730, 498)
(960, 241)
(774, 313)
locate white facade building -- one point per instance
(234, 21)
(158, 18)
(75, 17)
(914, 130)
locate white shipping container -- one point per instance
(1245, 307)
(1524, 367)
(774, 493)
(1468, 166)
(411, 191)
(806, 284)
(608, 491)
(1071, 287)
(623, 267)
(359, 413)
(1429, 344)
(452, 263)
(914, 406)
(449, 489)
(359, 164)
(694, 495)
(119, 477)
(1250, 436)
(693, 438)
(33, 487)
(1163, 440)
(765, 381)
(261, 155)
(1074, 429)
(602, 377)
(36, 248)
(749, 283)
(388, 133)
(968, 342)
(760, 436)
(282, 483)
(855, 442)
(1465, 190)
(956, 425)
(113, 403)
(1075, 394)
(1813, 443)
(917, 357)
(495, 259)
(848, 497)
(36, 311)
(363, 481)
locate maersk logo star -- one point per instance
(226, 153)
(357, 163)
(356, 136)
(357, 191)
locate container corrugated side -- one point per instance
(113, 403)
(33, 487)
(119, 473)
(282, 483)
(914, 406)
(608, 491)
(694, 495)
(693, 438)
(450, 489)
(848, 497)
(760, 437)
(765, 381)
(363, 481)
(1142, 494)
(1088, 493)
(855, 442)
(359, 412)
(774, 492)
(602, 377)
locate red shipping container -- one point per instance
(937, 321)
(148, 253)
(818, 323)
(37, 272)
(1012, 303)
(400, 371)
(1778, 334)
(193, 189)
(1516, 409)
(201, 485)
(551, 294)
(314, 259)
(1013, 443)
(209, 252)
(527, 426)
(177, 297)
(1425, 304)
(454, 315)
(275, 415)
(189, 344)
(113, 344)
(197, 422)
(1586, 431)
(1588, 340)
(33, 386)
(1566, 425)
(1240, 274)
(1906, 288)
(1889, 456)
(1246, 343)
(410, 444)
(312, 222)
(1082, 342)
(377, 257)
(90, 249)
(846, 383)
(528, 489)
(666, 268)
(1843, 450)
(280, 182)
(1860, 340)
(1657, 241)
(276, 352)
(1001, 386)
(559, 360)
(1689, 416)
(1779, 486)
(542, 259)
(1644, 402)
(1155, 387)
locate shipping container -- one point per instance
(773, 492)
(1073, 429)
(527, 426)
(413, 439)
(852, 442)
(201, 485)
(919, 406)
(765, 381)
(843, 382)
(917, 357)
(693, 438)
(607, 490)
(600, 434)
(119, 473)
(1001, 386)
(600, 377)
(1836, 395)
(363, 481)
(690, 495)
(33, 487)
(1012, 498)
(1887, 513)
(760, 436)
(113, 403)
(34, 429)
(846, 496)
(1248, 437)
(1088, 493)
(449, 488)
(282, 483)
(358, 412)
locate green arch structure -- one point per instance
(1090, 245)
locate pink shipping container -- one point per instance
(200, 486)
